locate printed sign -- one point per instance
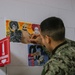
(4, 51)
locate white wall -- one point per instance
(33, 11)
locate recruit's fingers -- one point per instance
(34, 36)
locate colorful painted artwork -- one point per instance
(20, 31)
(36, 55)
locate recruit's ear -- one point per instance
(48, 39)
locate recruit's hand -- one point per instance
(36, 39)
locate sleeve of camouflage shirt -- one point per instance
(54, 67)
(62, 63)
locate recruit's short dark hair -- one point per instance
(53, 27)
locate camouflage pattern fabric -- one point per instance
(62, 61)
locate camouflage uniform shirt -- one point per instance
(62, 61)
